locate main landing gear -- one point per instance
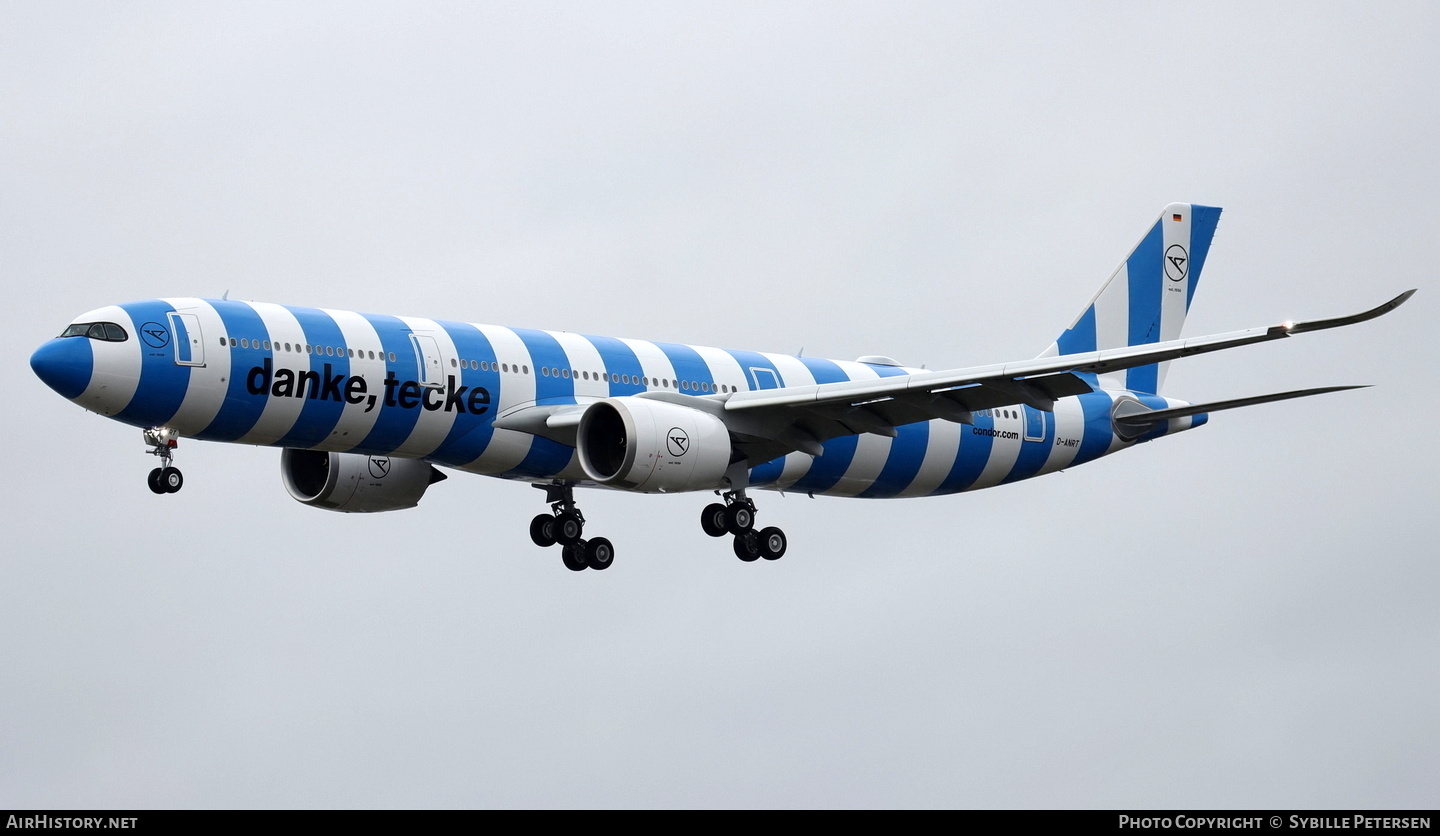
(737, 517)
(166, 478)
(564, 525)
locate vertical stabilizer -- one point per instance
(1146, 299)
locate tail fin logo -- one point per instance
(1177, 263)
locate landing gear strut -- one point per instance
(166, 478)
(737, 517)
(565, 525)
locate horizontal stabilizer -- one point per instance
(1135, 416)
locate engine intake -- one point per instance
(652, 446)
(353, 483)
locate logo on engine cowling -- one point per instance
(379, 466)
(677, 442)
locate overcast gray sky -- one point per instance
(1240, 616)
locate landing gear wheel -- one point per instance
(171, 479)
(542, 530)
(568, 528)
(747, 547)
(153, 480)
(772, 543)
(599, 554)
(739, 519)
(573, 556)
(712, 519)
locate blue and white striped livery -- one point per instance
(365, 406)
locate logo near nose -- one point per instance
(155, 335)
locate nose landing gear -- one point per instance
(162, 442)
(737, 517)
(565, 525)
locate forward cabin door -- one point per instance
(189, 342)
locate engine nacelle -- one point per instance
(652, 446)
(354, 483)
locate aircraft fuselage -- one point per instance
(345, 382)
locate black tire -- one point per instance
(153, 480)
(747, 547)
(739, 519)
(568, 529)
(542, 530)
(772, 543)
(599, 553)
(712, 519)
(573, 556)
(171, 479)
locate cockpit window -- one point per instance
(106, 331)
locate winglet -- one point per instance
(1336, 322)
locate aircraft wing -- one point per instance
(771, 422)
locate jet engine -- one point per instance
(652, 446)
(354, 483)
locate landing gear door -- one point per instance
(427, 355)
(189, 342)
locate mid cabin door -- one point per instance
(427, 357)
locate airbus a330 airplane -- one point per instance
(365, 406)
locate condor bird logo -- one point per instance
(1177, 263)
(677, 442)
(379, 466)
(155, 335)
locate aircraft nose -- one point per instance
(65, 365)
